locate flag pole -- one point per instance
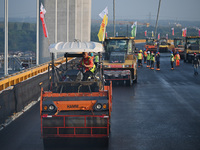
(6, 39)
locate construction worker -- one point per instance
(96, 60)
(172, 60)
(177, 58)
(140, 57)
(145, 57)
(195, 63)
(152, 60)
(89, 65)
(158, 61)
(148, 59)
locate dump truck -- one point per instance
(119, 60)
(179, 47)
(71, 107)
(192, 45)
(151, 44)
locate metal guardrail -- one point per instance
(28, 73)
(25, 74)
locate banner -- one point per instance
(102, 30)
(42, 13)
(134, 29)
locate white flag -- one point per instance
(104, 12)
(134, 29)
(42, 9)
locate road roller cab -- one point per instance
(73, 108)
(151, 44)
(120, 61)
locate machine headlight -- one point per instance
(51, 107)
(98, 107)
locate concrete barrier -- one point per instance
(7, 104)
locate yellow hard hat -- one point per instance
(140, 50)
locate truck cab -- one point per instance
(119, 60)
(192, 45)
(179, 46)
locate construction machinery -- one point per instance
(192, 45)
(71, 107)
(179, 46)
(151, 44)
(119, 61)
(163, 45)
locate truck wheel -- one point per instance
(130, 81)
(135, 81)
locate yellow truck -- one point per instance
(119, 60)
(192, 45)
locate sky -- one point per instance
(179, 10)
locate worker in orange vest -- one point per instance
(177, 58)
(145, 57)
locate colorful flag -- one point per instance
(185, 32)
(134, 29)
(145, 32)
(104, 12)
(158, 36)
(42, 13)
(152, 34)
(173, 31)
(199, 32)
(102, 30)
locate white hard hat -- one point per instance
(148, 52)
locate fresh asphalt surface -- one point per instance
(160, 112)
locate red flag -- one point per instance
(173, 31)
(185, 32)
(158, 36)
(145, 32)
(42, 12)
(199, 32)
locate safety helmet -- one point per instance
(195, 53)
(158, 52)
(148, 52)
(177, 52)
(141, 51)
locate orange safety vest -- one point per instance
(177, 57)
(145, 54)
(88, 61)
